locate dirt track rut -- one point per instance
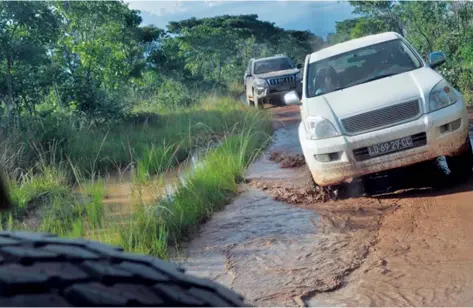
(413, 247)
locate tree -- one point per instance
(387, 12)
(218, 48)
(102, 47)
(27, 31)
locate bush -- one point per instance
(173, 95)
(461, 78)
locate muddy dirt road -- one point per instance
(280, 242)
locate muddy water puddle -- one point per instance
(275, 253)
(124, 189)
(411, 245)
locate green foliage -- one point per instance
(94, 60)
(218, 49)
(158, 159)
(212, 184)
(173, 95)
(32, 189)
(152, 142)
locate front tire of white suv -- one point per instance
(461, 166)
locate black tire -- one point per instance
(461, 165)
(281, 102)
(259, 103)
(39, 269)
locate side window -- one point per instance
(405, 50)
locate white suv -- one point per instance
(373, 104)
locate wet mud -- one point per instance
(399, 238)
(276, 253)
(287, 160)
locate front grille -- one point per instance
(281, 80)
(382, 117)
(418, 140)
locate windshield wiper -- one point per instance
(379, 77)
(372, 79)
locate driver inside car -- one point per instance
(326, 81)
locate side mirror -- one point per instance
(247, 75)
(292, 98)
(299, 66)
(436, 59)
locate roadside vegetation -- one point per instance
(66, 196)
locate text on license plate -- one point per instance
(390, 146)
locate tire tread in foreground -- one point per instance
(42, 270)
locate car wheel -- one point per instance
(279, 101)
(41, 270)
(461, 165)
(259, 103)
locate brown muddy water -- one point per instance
(411, 246)
(124, 194)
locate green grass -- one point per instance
(100, 148)
(66, 191)
(468, 97)
(73, 214)
(34, 188)
(157, 159)
(153, 230)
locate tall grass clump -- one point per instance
(94, 193)
(157, 159)
(76, 213)
(207, 189)
(33, 188)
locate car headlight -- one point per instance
(320, 128)
(299, 76)
(442, 95)
(260, 83)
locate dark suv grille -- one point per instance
(381, 117)
(281, 80)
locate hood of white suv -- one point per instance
(375, 94)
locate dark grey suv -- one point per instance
(268, 79)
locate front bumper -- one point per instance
(277, 92)
(346, 166)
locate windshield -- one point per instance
(272, 65)
(360, 66)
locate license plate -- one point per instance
(284, 87)
(390, 146)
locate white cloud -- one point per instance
(159, 8)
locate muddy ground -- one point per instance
(283, 242)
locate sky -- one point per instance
(316, 16)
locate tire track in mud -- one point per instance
(276, 253)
